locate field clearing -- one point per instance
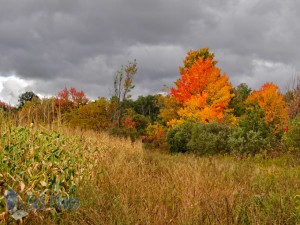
(126, 184)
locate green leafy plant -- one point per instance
(179, 136)
(250, 142)
(39, 163)
(209, 138)
(251, 135)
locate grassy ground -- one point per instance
(128, 185)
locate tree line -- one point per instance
(202, 113)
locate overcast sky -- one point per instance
(46, 45)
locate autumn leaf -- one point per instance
(66, 99)
(202, 90)
(272, 102)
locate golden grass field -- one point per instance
(126, 184)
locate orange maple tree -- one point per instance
(272, 102)
(202, 90)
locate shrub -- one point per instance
(291, 138)
(179, 136)
(156, 136)
(209, 138)
(251, 142)
(251, 135)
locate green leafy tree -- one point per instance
(147, 106)
(241, 93)
(27, 96)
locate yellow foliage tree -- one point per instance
(168, 108)
(272, 102)
(94, 115)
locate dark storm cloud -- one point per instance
(52, 44)
(249, 32)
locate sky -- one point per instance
(48, 45)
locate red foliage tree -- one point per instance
(66, 99)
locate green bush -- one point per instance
(209, 138)
(291, 139)
(199, 138)
(179, 136)
(251, 135)
(250, 142)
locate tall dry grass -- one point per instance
(128, 185)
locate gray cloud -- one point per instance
(52, 44)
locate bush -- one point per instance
(291, 138)
(251, 135)
(155, 136)
(250, 142)
(209, 138)
(179, 136)
(199, 138)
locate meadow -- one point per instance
(119, 182)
